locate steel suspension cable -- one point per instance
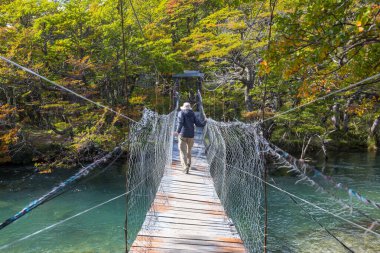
(319, 223)
(78, 214)
(374, 79)
(65, 185)
(307, 202)
(66, 89)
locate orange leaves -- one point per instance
(45, 171)
(309, 90)
(8, 132)
(7, 138)
(10, 137)
(264, 68)
(180, 6)
(80, 65)
(171, 6)
(255, 115)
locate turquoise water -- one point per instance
(292, 230)
(101, 230)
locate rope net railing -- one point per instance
(237, 154)
(230, 146)
(151, 145)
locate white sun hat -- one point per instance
(186, 106)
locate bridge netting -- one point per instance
(232, 149)
(150, 152)
(228, 146)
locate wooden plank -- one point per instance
(183, 243)
(186, 215)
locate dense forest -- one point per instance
(260, 58)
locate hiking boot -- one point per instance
(186, 170)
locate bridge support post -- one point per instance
(175, 92)
(266, 209)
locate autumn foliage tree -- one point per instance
(260, 58)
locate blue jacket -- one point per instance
(187, 119)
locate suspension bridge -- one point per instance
(169, 211)
(186, 214)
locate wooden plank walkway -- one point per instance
(186, 215)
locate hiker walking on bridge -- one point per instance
(185, 132)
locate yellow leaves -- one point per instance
(239, 25)
(323, 53)
(155, 31)
(117, 117)
(375, 8)
(366, 106)
(10, 137)
(80, 65)
(137, 100)
(290, 71)
(6, 110)
(359, 25)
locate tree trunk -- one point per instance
(346, 115)
(346, 120)
(278, 101)
(248, 87)
(248, 97)
(336, 116)
(375, 126)
(373, 141)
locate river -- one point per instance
(102, 229)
